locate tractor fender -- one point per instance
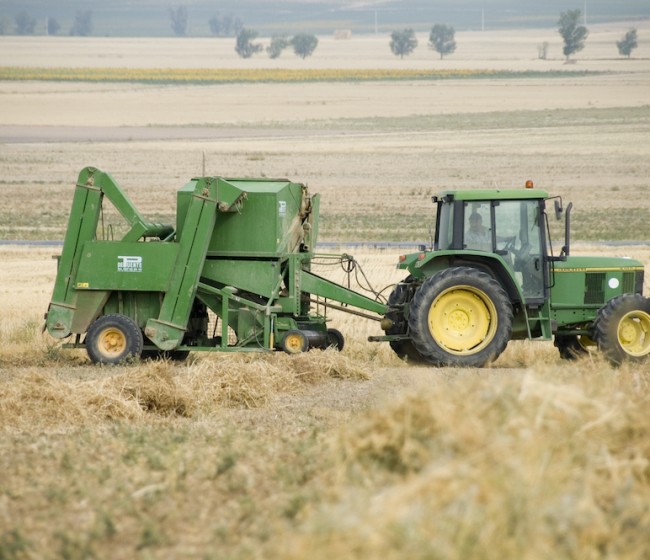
(490, 263)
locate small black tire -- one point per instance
(460, 317)
(570, 347)
(294, 342)
(335, 339)
(112, 339)
(404, 349)
(622, 329)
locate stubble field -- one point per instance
(349, 454)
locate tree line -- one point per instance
(442, 38)
(24, 24)
(402, 43)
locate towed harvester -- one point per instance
(234, 274)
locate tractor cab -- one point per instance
(502, 232)
(510, 226)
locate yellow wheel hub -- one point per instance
(111, 342)
(634, 333)
(294, 343)
(462, 320)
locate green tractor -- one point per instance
(491, 276)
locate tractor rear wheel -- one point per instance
(403, 348)
(111, 339)
(460, 317)
(622, 329)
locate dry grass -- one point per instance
(545, 464)
(277, 457)
(348, 454)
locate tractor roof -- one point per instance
(495, 194)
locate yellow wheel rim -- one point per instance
(294, 343)
(634, 333)
(111, 342)
(462, 320)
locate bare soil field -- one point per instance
(366, 146)
(353, 454)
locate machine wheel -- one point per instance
(294, 342)
(572, 347)
(403, 348)
(335, 339)
(622, 329)
(112, 339)
(460, 317)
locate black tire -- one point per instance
(403, 348)
(460, 317)
(294, 342)
(335, 339)
(622, 329)
(571, 347)
(112, 339)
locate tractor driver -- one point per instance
(478, 237)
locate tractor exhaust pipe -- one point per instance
(567, 232)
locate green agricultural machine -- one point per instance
(491, 276)
(233, 274)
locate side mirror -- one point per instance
(558, 209)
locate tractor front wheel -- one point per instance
(460, 317)
(622, 329)
(111, 339)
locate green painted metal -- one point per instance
(495, 194)
(234, 274)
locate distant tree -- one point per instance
(25, 24)
(441, 39)
(53, 26)
(178, 18)
(278, 44)
(244, 45)
(573, 35)
(403, 43)
(5, 25)
(542, 50)
(83, 23)
(225, 26)
(304, 44)
(216, 28)
(628, 43)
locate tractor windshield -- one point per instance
(511, 229)
(518, 239)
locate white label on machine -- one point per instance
(282, 208)
(129, 264)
